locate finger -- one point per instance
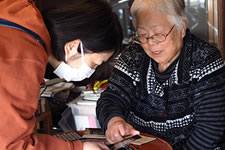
(116, 137)
(134, 132)
(109, 136)
(109, 140)
(129, 130)
(112, 136)
(122, 129)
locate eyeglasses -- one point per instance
(157, 38)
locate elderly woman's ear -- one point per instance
(184, 28)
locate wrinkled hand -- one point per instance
(94, 146)
(117, 128)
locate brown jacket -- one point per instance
(22, 64)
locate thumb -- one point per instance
(134, 132)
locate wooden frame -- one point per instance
(213, 21)
(221, 26)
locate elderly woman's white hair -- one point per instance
(174, 9)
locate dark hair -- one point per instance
(91, 21)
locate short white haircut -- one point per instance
(173, 9)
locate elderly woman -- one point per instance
(82, 35)
(168, 83)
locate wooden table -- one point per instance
(157, 144)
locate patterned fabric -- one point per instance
(187, 110)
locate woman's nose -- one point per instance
(152, 42)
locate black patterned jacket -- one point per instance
(188, 110)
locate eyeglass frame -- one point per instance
(135, 37)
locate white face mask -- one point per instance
(74, 74)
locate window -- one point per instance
(202, 19)
(206, 19)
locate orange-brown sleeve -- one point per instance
(22, 65)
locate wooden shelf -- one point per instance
(44, 117)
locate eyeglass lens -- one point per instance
(159, 37)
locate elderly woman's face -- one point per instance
(153, 24)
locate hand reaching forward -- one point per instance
(94, 146)
(117, 128)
